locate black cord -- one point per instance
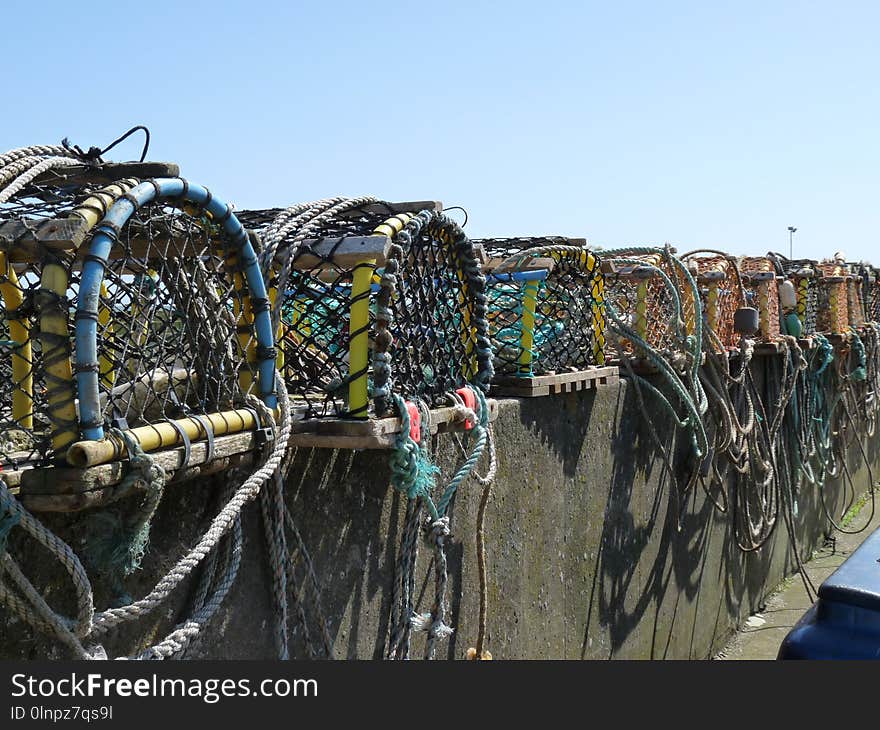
(458, 207)
(93, 155)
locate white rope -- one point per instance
(219, 527)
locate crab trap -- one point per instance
(372, 300)
(136, 314)
(651, 306)
(803, 302)
(856, 292)
(762, 293)
(546, 315)
(871, 277)
(721, 297)
(865, 281)
(833, 299)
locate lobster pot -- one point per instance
(762, 292)
(857, 291)
(720, 297)
(873, 299)
(854, 302)
(24, 425)
(546, 305)
(642, 301)
(38, 288)
(803, 274)
(175, 330)
(378, 301)
(833, 302)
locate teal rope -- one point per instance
(412, 472)
(482, 430)
(861, 371)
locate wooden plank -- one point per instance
(527, 264)
(344, 251)
(553, 378)
(770, 348)
(375, 433)
(103, 496)
(27, 239)
(69, 480)
(392, 209)
(106, 173)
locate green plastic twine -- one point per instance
(412, 472)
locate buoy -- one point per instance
(787, 295)
(793, 325)
(746, 321)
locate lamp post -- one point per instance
(791, 232)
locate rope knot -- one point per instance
(435, 628)
(437, 530)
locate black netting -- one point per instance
(546, 305)
(27, 420)
(168, 339)
(422, 323)
(175, 331)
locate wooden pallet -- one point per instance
(540, 385)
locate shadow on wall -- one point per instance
(584, 492)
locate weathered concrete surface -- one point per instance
(763, 632)
(584, 557)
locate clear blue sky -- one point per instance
(698, 123)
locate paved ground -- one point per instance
(763, 632)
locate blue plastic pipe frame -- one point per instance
(90, 419)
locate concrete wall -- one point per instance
(584, 557)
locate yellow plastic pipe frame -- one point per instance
(157, 436)
(587, 263)
(359, 321)
(527, 326)
(803, 293)
(22, 357)
(54, 331)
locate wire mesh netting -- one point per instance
(546, 305)
(803, 274)
(649, 296)
(762, 292)
(873, 300)
(833, 299)
(30, 415)
(721, 294)
(172, 322)
(175, 333)
(854, 296)
(353, 329)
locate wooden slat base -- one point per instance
(541, 385)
